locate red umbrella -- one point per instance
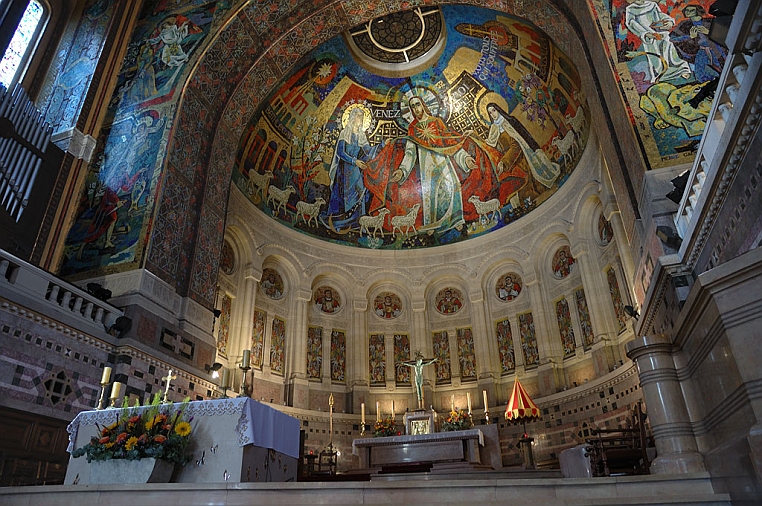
(521, 406)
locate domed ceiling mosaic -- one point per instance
(417, 129)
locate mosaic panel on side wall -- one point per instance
(563, 317)
(338, 355)
(481, 121)
(224, 321)
(605, 231)
(327, 300)
(314, 352)
(401, 355)
(583, 311)
(668, 69)
(258, 338)
(377, 359)
(387, 305)
(441, 345)
(466, 354)
(505, 346)
(117, 203)
(528, 340)
(616, 298)
(278, 346)
(271, 284)
(449, 301)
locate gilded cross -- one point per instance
(168, 378)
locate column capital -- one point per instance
(251, 272)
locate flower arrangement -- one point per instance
(159, 431)
(384, 428)
(458, 419)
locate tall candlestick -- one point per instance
(468, 398)
(392, 409)
(246, 358)
(484, 393)
(452, 402)
(362, 413)
(106, 375)
(116, 388)
(378, 412)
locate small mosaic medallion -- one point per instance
(327, 300)
(508, 287)
(387, 305)
(271, 284)
(605, 231)
(227, 259)
(449, 301)
(563, 262)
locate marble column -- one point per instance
(545, 347)
(485, 344)
(676, 447)
(620, 236)
(298, 345)
(596, 292)
(357, 345)
(251, 277)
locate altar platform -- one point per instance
(233, 440)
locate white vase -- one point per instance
(131, 471)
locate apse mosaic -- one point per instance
(258, 339)
(271, 284)
(505, 346)
(315, 352)
(338, 355)
(466, 354)
(117, 205)
(441, 345)
(357, 147)
(327, 300)
(401, 355)
(563, 262)
(668, 71)
(387, 305)
(449, 301)
(563, 317)
(377, 359)
(508, 287)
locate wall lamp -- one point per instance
(214, 369)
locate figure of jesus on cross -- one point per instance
(168, 378)
(417, 365)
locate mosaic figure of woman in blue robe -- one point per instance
(349, 197)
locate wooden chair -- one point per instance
(621, 450)
(327, 462)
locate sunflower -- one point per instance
(183, 428)
(130, 444)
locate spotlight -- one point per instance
(668, 237)
(679, 183)
(214, 369)
(631, 311)
(121, 326)
(98, 291)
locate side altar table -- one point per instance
(233, 440)
(462, 446)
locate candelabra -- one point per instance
(103, 395)
(486, 415)
(245, 366)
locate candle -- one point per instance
(484, 393)
(362, 413)
(378, 413)
(106, 376)
(468, 398)
(225, 383)
(246, 358)
(115, 389)
(452, 402)
(392, 409)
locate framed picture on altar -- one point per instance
(419, 422)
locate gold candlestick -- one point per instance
(225, 382)
(245, 368)
(104, 383)
(116, 388)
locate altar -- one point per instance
(233, 440)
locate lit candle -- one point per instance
(378, 412)
(362, 413)
(225, 383)
(106, 375)
(392, 409)
(115, 389)
(484, 393)
(246, 358)
(468, 398)
(452, 402)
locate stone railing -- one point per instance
(44, 292)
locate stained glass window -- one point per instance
(23, 39)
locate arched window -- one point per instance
(21, 46)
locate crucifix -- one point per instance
(417, 365)
(169, 377)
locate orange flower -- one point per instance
(103, 440)
(134, 419)
(160, 439)
(121, 437)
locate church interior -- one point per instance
(389, 219)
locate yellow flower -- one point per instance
(150, 423)
(183, 428)
(130, 444)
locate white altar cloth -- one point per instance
(234, 440)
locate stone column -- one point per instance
(251, 277)
(358, 374)
(420, 341)
(485, 345)
(543, 331)
(298, 345)
(620, 236)
(675, 442)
